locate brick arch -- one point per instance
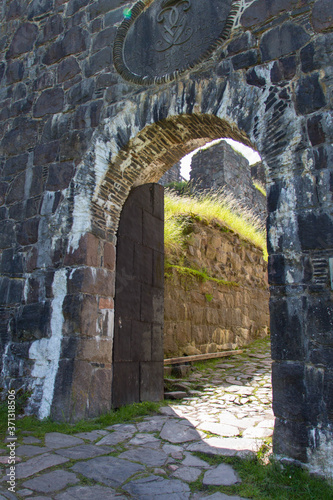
(155, 149)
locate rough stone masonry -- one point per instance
(87, 113)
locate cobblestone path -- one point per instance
(227, 412)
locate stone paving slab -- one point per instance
(193, 461)
(92, 435)
(154, 487)
(145, 456)
(188, 474)
(31, 440)
(222, 475)
(38, 464)
(162, 443)
(175, 432)
(114, 438)
(56, 440)
(84, 451)
(224, 430)
(153, 425)
(143, 439)
(111, 471)
(90, 493)
(30, 450)
(52, 481)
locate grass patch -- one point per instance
(199, 275)
(207, 208)
(272, 481)
(39, 428)
(260, 187)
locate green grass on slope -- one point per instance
(209, 207)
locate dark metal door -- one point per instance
(139, 299)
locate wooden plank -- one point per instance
(199, 357)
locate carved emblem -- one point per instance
(160, 39)
(172, 17)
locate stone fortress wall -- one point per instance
(78, 132)
(205, 316)
(222, 167)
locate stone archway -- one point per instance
(76, 138)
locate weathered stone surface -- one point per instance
(23, 40)
(222, 475)
(58, 440)
(175, 432)
(83, 451)
(88, 492)
(115, 136)
(322, 15)
(49, 102)
(111, 471)
(283, 40)
(151, 486)
(310, 96)
(30, 450)
(52, 481)
(188, 474)
(37, 464)
(220, 429)
(145, 456)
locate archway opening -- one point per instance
(144, 160)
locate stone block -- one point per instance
(53, 27)
(27, 233)
(245, 59)
(289, 391)
(102, 7)
(287, 329)
(291, 439)
(33, 322)
(46, 153)
(95, 350)
(100, 392)
(14, 165)
(322, 16)
(23, 40)
(21, 137)
(92, 281)
(50, 101)
(87, 252)
(315, 230)
(11, 263)
(59, 176)
(282, 40)
(39, 7)
(14, 72)
(67, 69)
(262, 10)
(99, 61)
(80, 314)
(309, 95)
(81, 92)
(315, 130)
